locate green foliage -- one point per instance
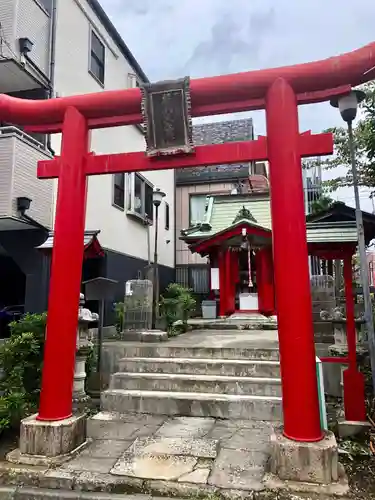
(321, 204)
(177, 305)
(364, 138)
(91, 361)
(21, 358)
(119, 309)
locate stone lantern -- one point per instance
(84, 346)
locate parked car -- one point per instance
(7, 315)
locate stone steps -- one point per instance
(189, 380)
(181, 382)
(225, 406)
(202, 366)
(240, 322)
(164, 351)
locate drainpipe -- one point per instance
(52, 60)
(148, 245)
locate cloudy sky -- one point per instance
(174, 38)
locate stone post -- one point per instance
(340, 347)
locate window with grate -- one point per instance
(194, 277)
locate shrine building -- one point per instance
(236, 237)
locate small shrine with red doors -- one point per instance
(236, 237)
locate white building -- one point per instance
(75, 49)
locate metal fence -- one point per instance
(197, 278)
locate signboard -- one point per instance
(166, 117)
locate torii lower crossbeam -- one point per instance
(214, 154)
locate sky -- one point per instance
(175, 38)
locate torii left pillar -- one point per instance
(55, 408)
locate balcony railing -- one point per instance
(10, 130)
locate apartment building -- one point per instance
(195, 185)
(52, 48)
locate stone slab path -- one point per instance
(224, 454)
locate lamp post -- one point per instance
(348, 105)
(157, 197)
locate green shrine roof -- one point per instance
(226, 211)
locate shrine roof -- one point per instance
(224, 212)
(340, 212)
(91, 243)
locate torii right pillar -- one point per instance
(302, 427)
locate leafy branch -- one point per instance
(364, 140)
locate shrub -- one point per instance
(21, 358)
(119, 314)
(177, 305)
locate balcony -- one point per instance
(19, 154)
(31, 20)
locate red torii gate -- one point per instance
(279, 91)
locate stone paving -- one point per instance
(224, 454)
(226, 339)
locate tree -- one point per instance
(321, 204)
(364, 137)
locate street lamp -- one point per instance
(157, 198)
(348, 105)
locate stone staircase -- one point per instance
(221, 382)
(239, 320)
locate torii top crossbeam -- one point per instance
(209, 96)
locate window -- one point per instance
(138, 185)
(139, 197)
(197, 209)
(119, 191)
(149, 205)
(166, 216)
(97, 58)
(133, 81)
